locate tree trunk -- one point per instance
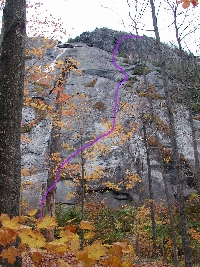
(182, 211)
(54, 148)
(12, 67)
(160, 156)
(82, 190)
(187, 94)
(151, 194)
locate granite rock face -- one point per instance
(106, 39)
(96, 86)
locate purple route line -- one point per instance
(103, 135)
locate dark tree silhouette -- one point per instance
(12, 68)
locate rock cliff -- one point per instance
(120, 157)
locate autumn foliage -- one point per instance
(186, 3)
(101, 248)
(97, 251)
(32, 238)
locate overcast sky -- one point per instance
(78, 16)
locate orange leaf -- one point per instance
(22, 247)
(113, 261)
(71, 228)
(36, 258)
(186, 4)
(194, 2)
(83, 256)
(10, 254)
(7, 236)
(60, 249)
(115, 251)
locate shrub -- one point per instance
(129, 83)
(66, 214)
(100, 106)
(112, 225)
(156, 63)
(139, 70)
(126, 61)
(91, 84)
(136, 62)
(123, 55)
(41, 85)
(26, 128)
(73, 40)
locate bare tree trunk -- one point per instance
(151, 193)
(182, 211)
(12, 67)
(82, 190)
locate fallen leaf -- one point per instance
(47, 222)
(63, 264)
(87, 225)
(10, 254)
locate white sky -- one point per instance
(78, 16)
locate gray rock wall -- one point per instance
(96, 64)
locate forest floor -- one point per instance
(51, 260)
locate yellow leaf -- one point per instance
(96, 250)
(10, 254)
(128, 249)
(89, 235)
(47, 222)
(60, 228)
(60, 249)
(63, 264)
(74, 245)
(32, 212)
(86, 225)
(60, 241)
(127, 263)
(32, 238)
(10, 223)
(69, 235)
